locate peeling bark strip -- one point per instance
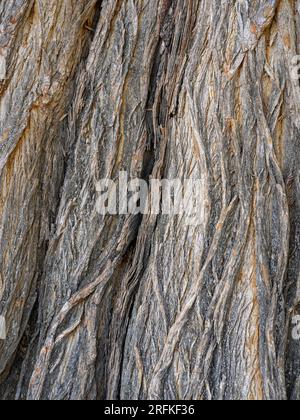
(148, 307)
(2, 328)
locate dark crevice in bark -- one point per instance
(156, 116)
(126, 326)
(13, 385)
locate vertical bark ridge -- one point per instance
(34, 98)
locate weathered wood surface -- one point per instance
(147, 307)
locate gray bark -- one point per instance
(132, 307)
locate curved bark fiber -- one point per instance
(147, 307)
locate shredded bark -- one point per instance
(148, 307)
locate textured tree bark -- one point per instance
(148, 307)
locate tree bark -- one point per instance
(148, 307)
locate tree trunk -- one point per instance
(148, 306)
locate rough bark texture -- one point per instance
(147, 307)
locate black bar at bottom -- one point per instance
(134, 409)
